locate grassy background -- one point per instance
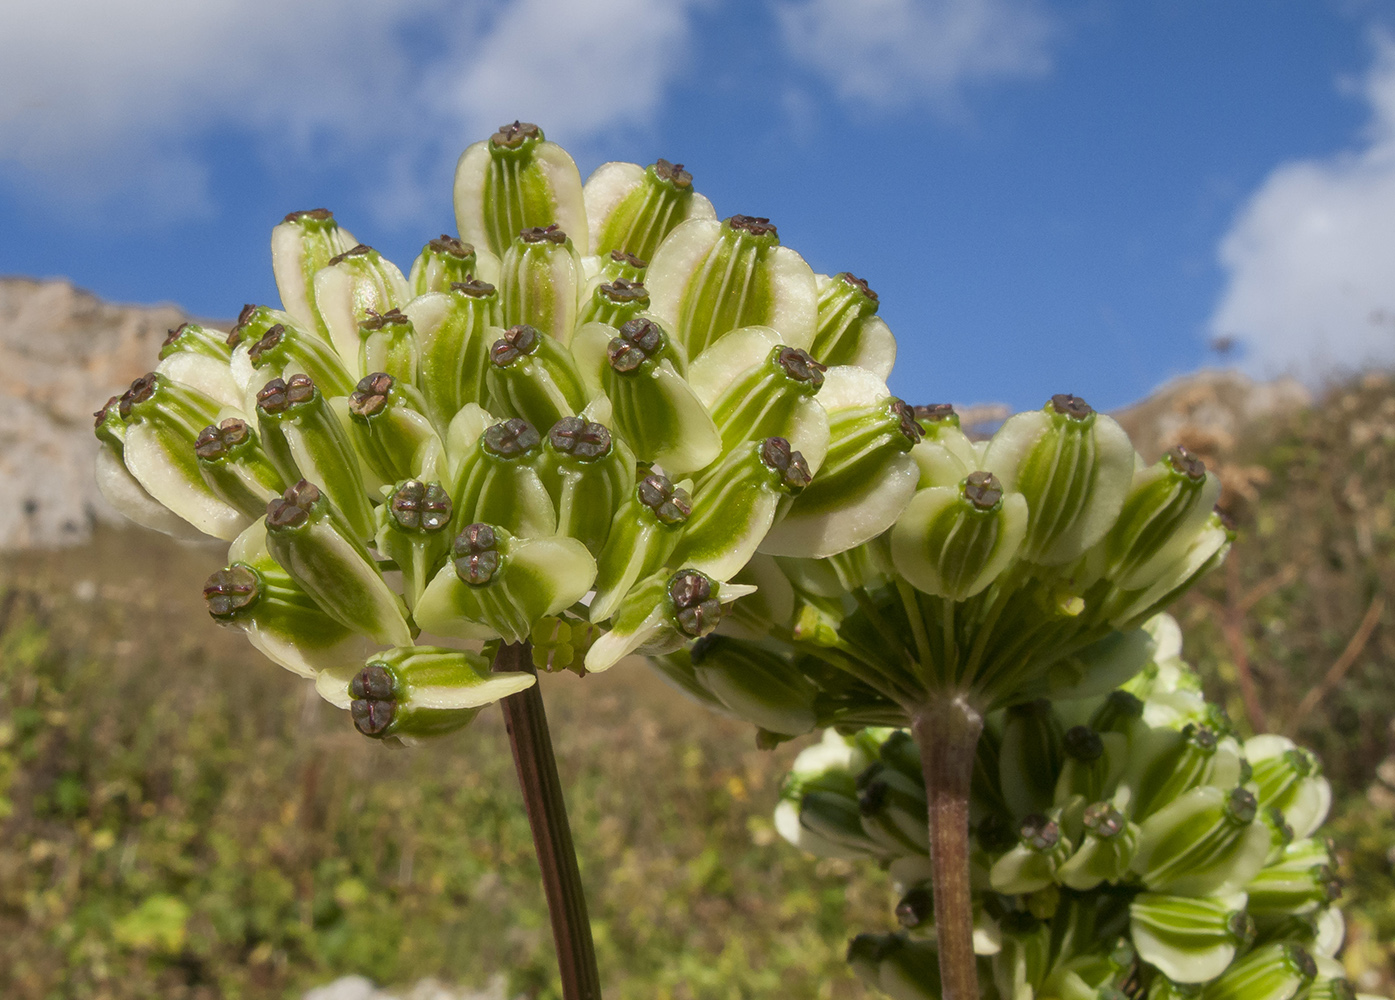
(180, 818)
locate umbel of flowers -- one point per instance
(1126, 845)
(577, 422)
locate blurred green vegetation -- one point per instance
(180, 818)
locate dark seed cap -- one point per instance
(141, 390)
(621, 291)
(695, 602)
(935, 412)
(511, 438)
(670, 504)
(376, 320)
(580, 438)
(906, 420)
(621, 257)
(1040, 833)
(294, 507)
(374, 704)
(983, 490)
(848, 278)
(418, 506)
(476, 554)
(451, 247)
(1083, 743)
(269, 340)
(756, 225)
(1071, 406)
(800, 366)
(358, 250)
(316, 214)
(639, 340)
(1103, 820)
(515, 135)
(473, 287)
(673, 173)
(514, 344)
(214, 443)
(371, 394)
(544, 234)
(915, 908)
(279, 395)
(794, 471)
(1186, 463)
(1242, 806)
(230, 590)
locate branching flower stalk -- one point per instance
(562, 435)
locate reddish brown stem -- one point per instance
(947, 732)
(536, 764)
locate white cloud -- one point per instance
(1311, 257)
(110, 99)
(898, 52)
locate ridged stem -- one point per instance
(536, 765)
(947, 731)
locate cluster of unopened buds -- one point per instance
(1126, 845)
(576, 424)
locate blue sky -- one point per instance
(1049, 196)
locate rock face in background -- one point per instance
(63, 353)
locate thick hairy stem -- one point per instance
(947, 731)
(552, 836)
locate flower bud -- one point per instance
(589, 475)
(736, 503)
(454, 330)
(643, 534)
(303, 243)
(498, 585)
(446, 261)
(323, 555)
(662, 613)
(350, 288)
(709, 277)
(1190, 940)
(498, 482)
(254, 595)
(756, 684)
(1270, 972)
(162, 421)
(423, 691)
(832, 819)
(866, 479)
(652, 407)
(1024, 958)
(388, 343)
(414, 532)
(517, 180)
(1074, 467)
(1093, 763)
(532, 376)
(619, 266)
(953, 542)
(775, 397)
(539, 282)
(235, 467)
(1030, 757)
(632, 208)
(1167, 505)
(198, 357)
(1171, 763)
(1302, 879)
(296, 420)
(1106, 847)
(893, 809)
(677, 668)
(1204, 842)
(1031, 865)
(849, 330)
(1290, 779)
(1204, 552)
(273, 345)
(613, 303)
(945, 455)
(387, 428)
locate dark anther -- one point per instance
(174, 334)
(621, 257)
(279, 395)
(1202, 737)
(543, 234)
(1186, 463)
(621, 290)
(451, 246)
(245, 316)
(872, 772)
(1242, 806)
(358, 250)
(376, 321)
(293, 508)
(1071, 406)
(476, 554)
(934, 412)
(516, 342)
(371, 394)
(100, 417)
(639, 340)
(1241, 927)
(215, 442)
(695, 602)
(418, 506)
(983, 490)
(230, 590)
(871, 797)
(1083, 743)
(673, 173)
(473, 287)
(1274, 816)
(1103, 820)
(141, 390)
(1300, 761)
(1040, 833)
(1301, 960)
(511, 438)
(794, 471)
(800, 366)
(994, 834)
(513, 136)
(580, 438)
(756, 225)
(915, 908)
(273, 336)
(318, 214)
(906, 417)
(851, 279)
(669, 504)
(374, 699)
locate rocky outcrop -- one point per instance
(63, 352)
